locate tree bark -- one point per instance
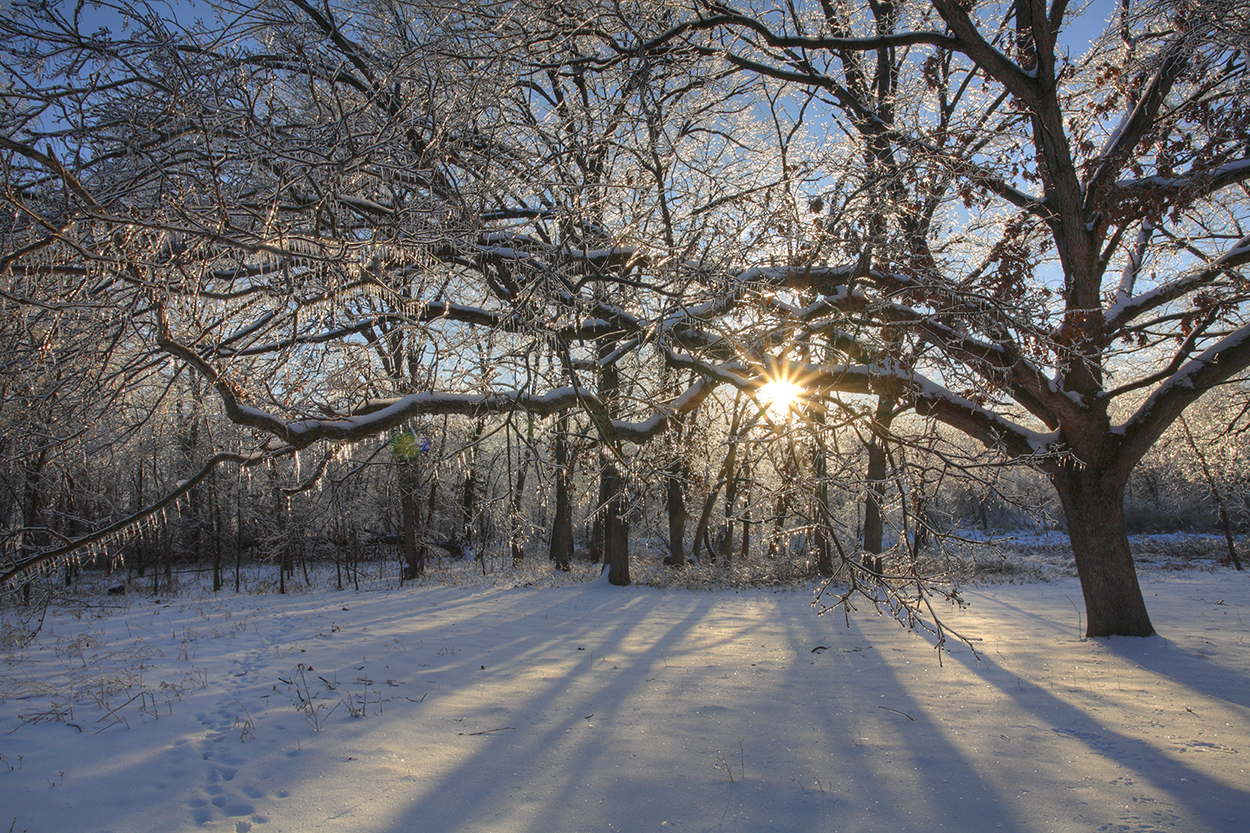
(1093, 505)
(731, 505)
(410, 512)
(676, 505)
(874, 497)
(562, 525)
(615, 526)
(820, 513)
(468, 492)
(516, 533)
(27, 543)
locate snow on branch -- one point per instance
(1214, 365)
(926, 396)
(1124, 310)
(1201, 180)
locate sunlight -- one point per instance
(779, 395)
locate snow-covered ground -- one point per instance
(592, 708)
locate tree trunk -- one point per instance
(598, 528)
(1093, 506)
(820, 511)
(516, 532)
(745, 551)
(782, 507)
(874, 497)
(731, 502)
(410, 515)
(615, 526)
(1216, 495)
(729, 476)
(27, 539)
(562, 525)
(468, 492)
(214, 509)
(676, 505)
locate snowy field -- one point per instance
(592, 708)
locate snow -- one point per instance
(591, 707)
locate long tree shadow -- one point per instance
(1111, 706)
(763, 715)
(595, 708)
(605, 709)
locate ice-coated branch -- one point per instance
(1125, 310)
(1217, 364)
(70, 548)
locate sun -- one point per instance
(779, 395)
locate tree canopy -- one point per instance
(342, 217)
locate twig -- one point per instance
(1080, 625)
(488, 731)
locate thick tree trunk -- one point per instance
(1093, 506)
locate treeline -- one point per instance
(499, 492)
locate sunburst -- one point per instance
(779, 395)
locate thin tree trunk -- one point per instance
(781, 508)
(410, 520)
(729, 475)
(731, 500)
(615, 526)
(214, 508)
(598, 527)
(705, 520)
(562, 524)
(676, 505)
(27, 543)
(745, 552)
(516, 533)
(820, 466)
(874, 496)
(614, 501)
(1215, 494)
(468, 493)
(238, 534)
(140, 541)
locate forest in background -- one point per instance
(486, 492)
